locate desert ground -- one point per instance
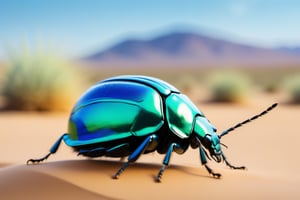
(268, 148)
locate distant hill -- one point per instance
(189, 49)
(290, 50)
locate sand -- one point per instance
(269, 147)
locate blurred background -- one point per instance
(233, 58)
(236, 51)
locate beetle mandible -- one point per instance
(132, 115)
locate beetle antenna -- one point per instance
(224, 145)
(248, 120)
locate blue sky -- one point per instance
(79, 27)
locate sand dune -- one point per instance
(21, 182)
(268, 147)
(92, 180)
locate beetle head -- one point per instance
(207, 136)
(213, 145)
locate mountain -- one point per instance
(290, 50)
(190, 49)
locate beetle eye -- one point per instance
(207, 139)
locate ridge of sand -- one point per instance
(22, 182)
(92, 179)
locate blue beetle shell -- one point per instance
(126, 106)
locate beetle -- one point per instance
(131, 115)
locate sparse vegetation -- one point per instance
(271, 86)
(229, 87)
(34, 78)
(292, 84)
(39, 81)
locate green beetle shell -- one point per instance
(126, 106)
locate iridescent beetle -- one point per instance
(134, 115)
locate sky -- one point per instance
(79, 27)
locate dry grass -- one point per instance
(230, 87)
(39, 81)
(199, 82)
(292, 85)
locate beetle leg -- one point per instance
(167, 160)
(210, 171)
(33, 161)
(53, 150)
(160, 173)
(204, 162)
(136, 154)
(230, 165)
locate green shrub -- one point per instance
(271, 86)
(229, 87)
(39, 81)
(292, 85)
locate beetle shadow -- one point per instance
(190, 171)
(110, 167)
(154, 168)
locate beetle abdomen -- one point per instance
(115, 110)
